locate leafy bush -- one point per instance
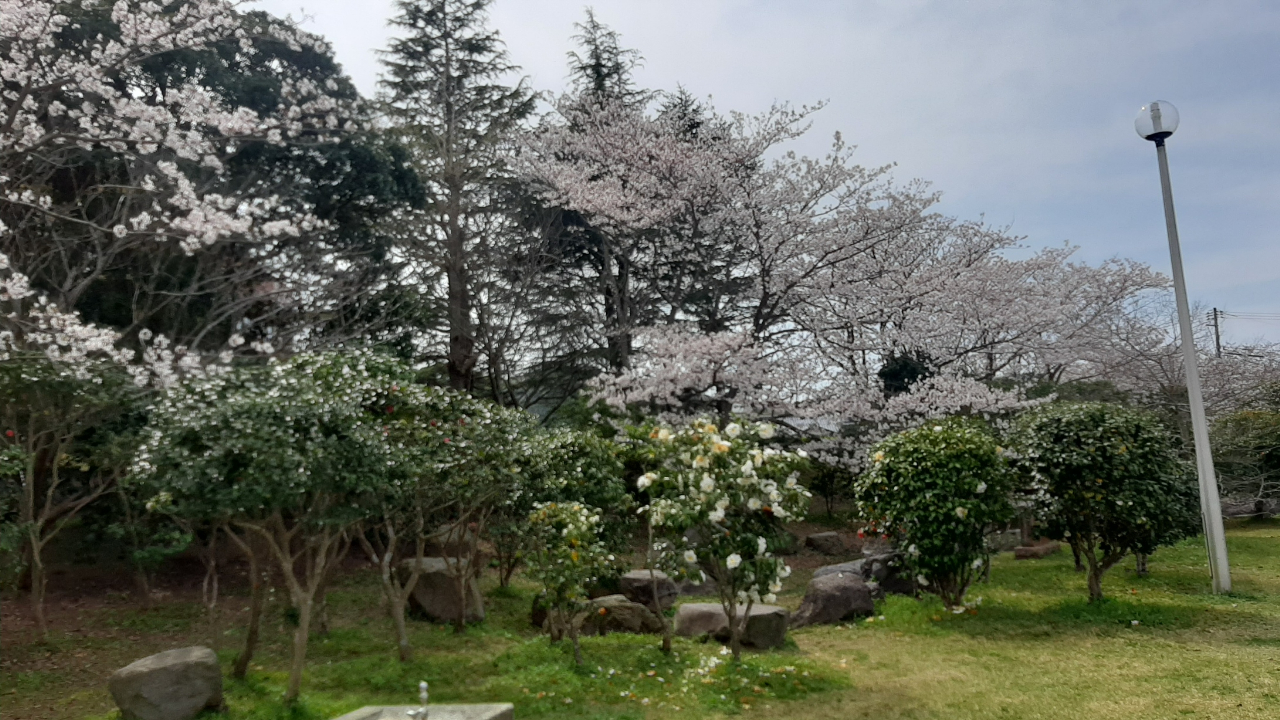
(1108, 480)
(567, 556)
(937, 489)
(564, 466)
(718, 500)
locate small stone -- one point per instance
(172, 685)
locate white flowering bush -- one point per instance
(293, 454)
(717, 503)
(567, 557)
(935, 490)
(1108, 480)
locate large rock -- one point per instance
(827, 543)
(832, 598)
(451, 540)
(689, 587)
(435, 594)
(637, 586)
(1036, 552)
(616, 613)
(1260, 509)
(172, 685)
(853, 567)
(766, 625)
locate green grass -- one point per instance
(1034, 649)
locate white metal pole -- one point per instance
(1210, 503)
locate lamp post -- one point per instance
(1156, 122)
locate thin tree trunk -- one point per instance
(1141, 560)
(573, 637)
(300, 637)
(1075, 553)
(257, 602)
(38, 582)
(657, 604)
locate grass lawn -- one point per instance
(1034, 649)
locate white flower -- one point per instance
(785, 572)
(977, 564)
(144, 334)
(732, 430)
(119, 231)
(761, 545)
(235, 340)
(775, 586)
(716, 516)
(982, 487)
(707, 484)
(770, 598)
(748, 468)
(765, 431)
(753, 504)
(645, 480)
(690, 557)
(962, 512)
(664, 435)
(922, 580)
(913, 551)
(937, 428)
(733, 561)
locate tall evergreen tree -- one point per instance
(445, 94)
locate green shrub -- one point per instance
(936, 489)
(1108, 480)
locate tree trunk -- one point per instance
(142, 584)
(403, 646)
(657, 604)
(38, 582)
(257, 601)
(1095, 583)
(573, 637)
(1075, 553)
(1141, 559)
(300, 637)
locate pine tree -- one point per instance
(445, 97)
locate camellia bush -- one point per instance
(1108, 480)
(567, 557)
(717, 503)
(287, 458)
(563, 466)
(937, 489)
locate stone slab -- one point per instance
(1036, 552)
(479, 711)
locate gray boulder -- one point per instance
(450, 540)
(435, 594)
(834, 597)
(853, 567)
(766, 625)
(172, 685)
(637, 586)
(689, 587)
(616, 613)
(827, 543)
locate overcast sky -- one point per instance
(1020, 111)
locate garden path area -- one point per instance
(1033, 649)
